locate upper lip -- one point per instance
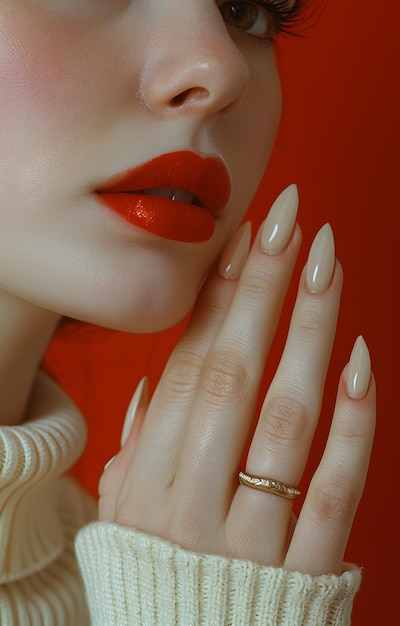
(206, 178)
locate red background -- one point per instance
(339, 141)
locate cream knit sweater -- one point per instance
(129, 577)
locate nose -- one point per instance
(195, 68)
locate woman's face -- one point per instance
(93, 88)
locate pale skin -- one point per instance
(204, 85)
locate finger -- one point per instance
(179, 381)
(224, 406)
(217, 295)
(291, 408)
(117, 468)
(272, 274)
(282, 440)
(161, 437)
(320, 538)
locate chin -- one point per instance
(156, 296)
(153, 322)
(143, 311)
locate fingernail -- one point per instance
(235, 255)
(321, 261)
(359, 370)
(107, 465)
(279, 223)
(139, 400)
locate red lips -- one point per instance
(203, 183)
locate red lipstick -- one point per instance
(176, 196)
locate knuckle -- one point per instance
(226, 377)
(287, 421)
(133, 510)
(214, 307)
(181, 376)
(351, 426)
(125, 517)
(259, 284)
(312, 326)
(185, 530)
(333, 500)
(312, 323)
(192, 526)
(214, 310)
(128, 516)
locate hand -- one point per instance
(177, 474)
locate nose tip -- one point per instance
(211, 82)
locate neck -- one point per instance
(25, 331)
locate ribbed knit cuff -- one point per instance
(134, 578)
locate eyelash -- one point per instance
(285, 19)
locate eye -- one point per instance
(249, 18)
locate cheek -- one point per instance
(43, 78)
(26, 76)
(27, 132)
(46, 105)
(28, 83)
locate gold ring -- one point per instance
(269, 485)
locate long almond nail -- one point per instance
(359, 370)
(279, 224)
(107, 465)
(235, 254)
(139, 401)
(321, 261)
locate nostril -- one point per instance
(180, 99)
(190, 96)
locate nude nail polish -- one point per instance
(321, 261)
(139, 400)
(280, 221)
(107, 465)
(359, 370)
(235, 254)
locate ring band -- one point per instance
(269, 485)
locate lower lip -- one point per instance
(170, 219)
